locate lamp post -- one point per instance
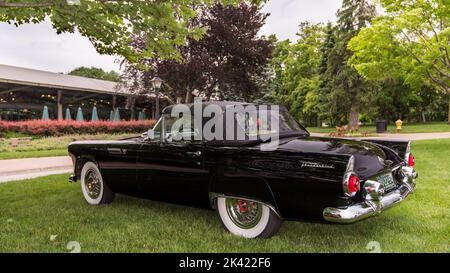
(156, 83)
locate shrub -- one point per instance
(347, 131)
(59, 128)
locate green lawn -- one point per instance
(431, 127)
(34, 210)
(33, 154)
(47, 146)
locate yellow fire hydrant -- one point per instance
(398, 124)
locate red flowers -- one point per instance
(58, 128)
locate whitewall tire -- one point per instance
(95, 191)
(247, 218)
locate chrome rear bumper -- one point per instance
(375, 202)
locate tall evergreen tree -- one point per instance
(324, 88)
(348, 91)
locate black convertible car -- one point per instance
(252, 189)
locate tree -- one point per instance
(300, 74)
(111, 24)
(293, 76)
(224, 63)
(325, 79)
(410, 41)
(95, 73)
(271, 81)
(349, 92)
(393, 99)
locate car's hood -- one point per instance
(369, 158)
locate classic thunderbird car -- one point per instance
(252, 190)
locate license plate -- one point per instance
(388, 181)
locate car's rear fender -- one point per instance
(241, 186)
(291, 184)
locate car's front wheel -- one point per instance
(247, 218)
(94, 189)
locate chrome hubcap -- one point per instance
(244, 213)
(92, 184)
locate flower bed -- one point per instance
(59, 128)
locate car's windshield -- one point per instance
(157, 129)
(185, 130)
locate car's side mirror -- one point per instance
(151, 134)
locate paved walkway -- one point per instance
(17, 169)
(417, 136)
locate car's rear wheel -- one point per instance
(95, 190)
(246, 218)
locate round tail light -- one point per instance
(351, 184)
(411, 160)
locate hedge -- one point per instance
(59, 128)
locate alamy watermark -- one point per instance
(373, 247)
(74, 247)
(233, 122)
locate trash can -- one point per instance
(381, 126)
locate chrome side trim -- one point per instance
(375, 201)
(215, 195)
(407, 152)
(349, 171)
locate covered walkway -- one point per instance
(24, 92)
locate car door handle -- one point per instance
(195, 154)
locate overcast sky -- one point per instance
(38, 46)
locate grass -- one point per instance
(34, 210)
(432, 127)
(14, 135)
(33, 154)
(47, 146)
